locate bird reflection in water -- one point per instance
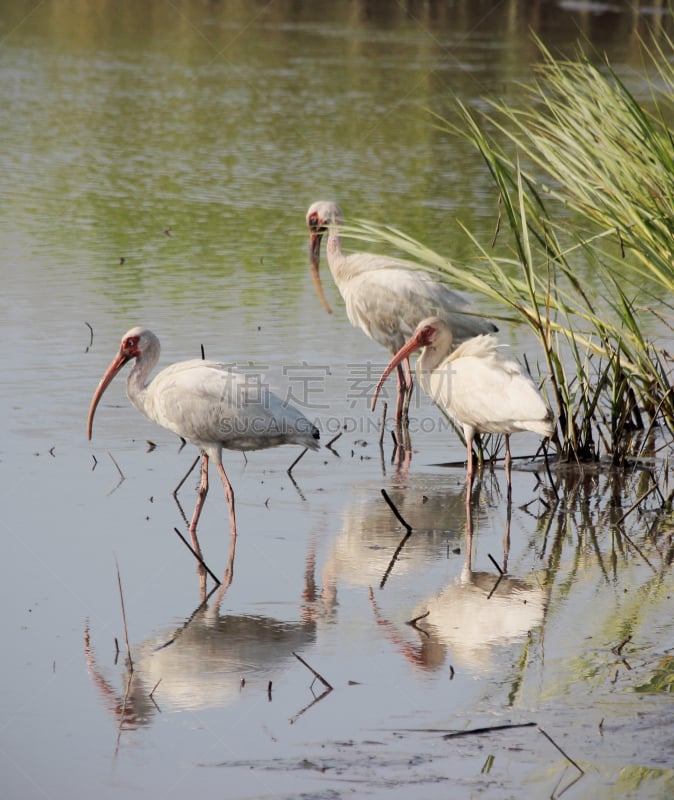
(361, 553)
(200, 664)
(473, 616)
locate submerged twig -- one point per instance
(316, 675)
(296, 461)
(383, 424)
(496, 585)
(187, 475)
(474, 731)
(91, 337)
(297, 488)
(555, 796)
(197, 556)
(397, 513)
(637, 503)
(121, 474)
(566, 756)
(495, 563)
(546, 461)
(316, 699)
(413, 622)
(394, 558)
(637, 548)
(617, 650)
(332, 441)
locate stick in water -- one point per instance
(296, 461)
(316, 675)
(552, 742)
(197, 556)
(126, 631)
(333, 440)
(398, 515)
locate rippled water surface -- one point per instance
(158, 160)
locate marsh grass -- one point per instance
(583, 175)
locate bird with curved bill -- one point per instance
(210, 405)
(478, 386)
(387, 297)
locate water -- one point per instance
(158, 161)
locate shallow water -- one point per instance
(158, 164)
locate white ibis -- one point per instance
(210, 405)
(386, 297)
(483, 390)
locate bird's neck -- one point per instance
(136, 387)
(429, 359)
(333, 249)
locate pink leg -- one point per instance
(405, 384)
(469, 532)
(229, 494)
(401, 396)
(229, 573)
(508, 466)
(409, 385)
(202, 491)
(469, 465)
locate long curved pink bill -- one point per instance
(117, 363)
(315, 255)
(405, 351)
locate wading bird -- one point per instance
(210, 405)
(482, 389)
(386, 297)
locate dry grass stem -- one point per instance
(126, 630)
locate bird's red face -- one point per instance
(130, 347)
(317, 227)
(423, 337)
(316, 224)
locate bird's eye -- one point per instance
(313, 219)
